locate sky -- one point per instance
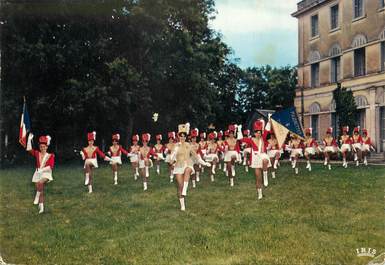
(260, 32)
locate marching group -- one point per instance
(187, 157)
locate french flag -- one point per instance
(25, 126)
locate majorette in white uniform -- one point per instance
(145, 162)
(159, 149)
(182, 157)
(115, 152)
(310, 145)
(134, 155)
(212, 153)
(44, 165)
(330, 146)
(231, 151)
(357, 141)
(259, 158)
(168, 150)
(345, 145)
(89, 155)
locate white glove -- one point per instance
(29, 142)
(268, 126)
(207, 164)
(82, 154)
(107, 159)
(269, 116)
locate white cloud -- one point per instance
(246, 16)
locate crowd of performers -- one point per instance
(187, 157)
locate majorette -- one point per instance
(168, 150)
(195, 177)
(89, 155)
(345, 145)
(310, 145)
(330, 146)
(145, 162)
(274, 152)
(367, 145)
(43, 170)
(246, 150)
(259, 158)
(134, 155)
(182, 156)
(212, 153)
(220, 153)
(357, 141)
(232, 153)
(115, 152)
(159, 149)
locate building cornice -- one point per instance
(306, 5)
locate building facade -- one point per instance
(341, 41)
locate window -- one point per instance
(382, 3)
(360, 118)
(315, 75)
(335, 69)
(314, 126)
(359, 62)
(335, 124)
(358, 8)
(334, 17)
(314, 25)
(383, 56)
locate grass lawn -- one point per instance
(320, 217)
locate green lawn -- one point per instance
(313, 218)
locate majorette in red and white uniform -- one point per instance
(203, 143)
(220, 144)
(115, 152)
(356, 139)
(159, 149)
(212, 153)
(89, 155)
(145, 162)
(134, 155)
(232, 154)
(273, 151)
(330, 146)
(310, 145)
(195, 176)
(367, 145)
(246, 149)
(43, 167)
(259, 157)
(170, 146)
(345, 140)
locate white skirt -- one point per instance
(91, 161)
(345, 147)
(257, 160)
(39, 176)
(211, 157)
(295, 152)
(357, 146)
(310, 150)
(134, 158)
(272, 153)
(230, 154)
(160, 156)
(331, 149)
(365, 147)
(168, 159)
(180, 170)
(247, 150)
(116, 160)
(142, 164)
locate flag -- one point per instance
(286, 121)
(25, 126)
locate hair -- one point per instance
(182, 133)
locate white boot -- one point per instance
(275, 163)
(136, 173)
(227, 173)
(326, 162)
(296, 170)
(309, 167)
(246, 169)
(116, 178)
(233, 170)
(330, 167)
(87, 179)
(41, 208)
(273, 174)
(171, 178)
(185, 186)
(231, 182)
(265, 179)
(219, 166)
(224, 167)
(203, 169)
(37, 196)
(259, 194)
(157, 169)
(294, 163)
(212, 178)
(144, 186)
(182, 206)
(308, 164)
(197, 175)
(146, 171)
(89, 188)
(365, 161)
(357, 163)
(355, 157)
(213, 169)
(194, 184)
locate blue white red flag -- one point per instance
(25, 126)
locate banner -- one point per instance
(288, 118)
(280, 132)
(25, 126)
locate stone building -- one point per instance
(341, 41)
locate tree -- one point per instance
(346, 108)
